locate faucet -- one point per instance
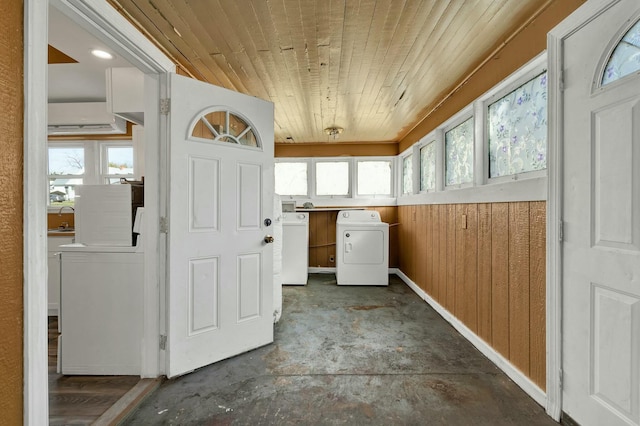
(60, 211)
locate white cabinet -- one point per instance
(53, 275)
(125, 93)
(101, 313)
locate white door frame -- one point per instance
(103, 21)
(555, 41)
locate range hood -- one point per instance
(83, 118)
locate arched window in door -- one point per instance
(224, 126)
(625, 58)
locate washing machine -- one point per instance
(295, 248)
(362, 248)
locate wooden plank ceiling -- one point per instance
(372, 67)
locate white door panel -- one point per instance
(601, 256)
(220, 292)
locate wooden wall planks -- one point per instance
(500, 278)
(484, 263)
(537, 292)
(519, 285)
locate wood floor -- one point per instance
(81, 400)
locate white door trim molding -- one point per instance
(35, 364)
(555, 41)
(102, 20)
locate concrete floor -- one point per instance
(348, 355)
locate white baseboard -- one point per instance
(501, 362)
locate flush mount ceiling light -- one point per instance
(334, 131)
(101, 54)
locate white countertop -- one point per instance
(78, 247)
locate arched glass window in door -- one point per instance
(625, 58)
(224, 126)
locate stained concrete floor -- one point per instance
(352, 356)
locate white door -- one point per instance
(220, 286)
(601, 249)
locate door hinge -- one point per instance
(561, 231)
(163, 342)
(165, 106)
(561, 81)
(164, 225)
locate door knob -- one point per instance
(268, 239)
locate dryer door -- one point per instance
(363, 246)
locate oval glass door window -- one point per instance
(625, 58)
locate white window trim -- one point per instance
(354, 178)
(349, 161)
(94, 161)
(528, 186)
(528, 71)
(462, 116)
(104, 166)
(400, 188)
(436, 137)
(353, 199)
(309, 171)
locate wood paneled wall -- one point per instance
(484, 263)
(337, 149)
(11, 197)
(322, 236)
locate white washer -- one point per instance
(362, 248)
(295, 248)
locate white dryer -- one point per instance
(362, 248)
(295, 248)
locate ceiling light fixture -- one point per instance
(101, 54)
(334, 131)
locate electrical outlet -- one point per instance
(332, 259)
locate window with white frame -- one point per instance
(117, 162)
(362, 177)
(459, 153)
(517, 129)
(71, 164)
(66, 171)
(332, 178)
(374, 178)
(407, 175)
(428, 167)
(291, 178)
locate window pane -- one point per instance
(119, 160)
(518, 130)
(459, 153)
(374, 177)
(332, 178)
(224, 126)
(62, 190)
(291, 178)
(428, 167)
(66, 161)
(407, 174)
(625, 59)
